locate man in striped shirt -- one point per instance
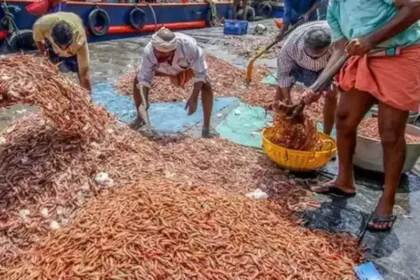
(302, 58)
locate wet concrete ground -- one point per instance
(395, 253)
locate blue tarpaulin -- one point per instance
(164, 117)
(243, 125)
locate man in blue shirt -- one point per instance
(296, 9)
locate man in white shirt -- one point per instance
(177, 56)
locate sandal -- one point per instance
(376, 219)
(333, 190)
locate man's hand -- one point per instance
(359, 46)
(192, 104)
(305, 16)
(309, 96)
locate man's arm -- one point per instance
(408, 14)
(311, 10)
(83, 65)
(137, 96)
(143, 81)
(39, 36)
(198, 64)
(285, 79)
(41, 47)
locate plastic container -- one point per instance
(369, 155)
(235, 27)
(300, 161)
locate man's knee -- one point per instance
(391, 135)
(207, 89)
(344, 122)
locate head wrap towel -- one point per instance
(163, 45)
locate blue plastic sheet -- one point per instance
(270, 79)
(368, 271)
(164, 117)
(243, 125)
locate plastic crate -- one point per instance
(235, 27)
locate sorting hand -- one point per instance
(309, 96)
(191, 105)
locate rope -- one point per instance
(8, 20)
(214, 16)
(154, 15)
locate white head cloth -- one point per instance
(161, 45)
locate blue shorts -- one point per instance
(306, 77)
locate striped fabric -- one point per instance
(293, 55)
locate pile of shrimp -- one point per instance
(369, 128)
(49, 179)
(36, 81)
(156, 230)
(298, 133)
(226, 80)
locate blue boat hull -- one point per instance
(119, 15)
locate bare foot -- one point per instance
(137, 123)
(209, 133)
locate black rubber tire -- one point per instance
(267, 10)
(134, 13)
(250, 14)
(21, 40)
(100, 14)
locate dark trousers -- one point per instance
(307, 77)
(68, 63)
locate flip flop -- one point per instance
(376, 219)
(333, 190)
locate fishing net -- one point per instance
(35, 81)
(298, 133)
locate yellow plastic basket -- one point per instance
(299, 160)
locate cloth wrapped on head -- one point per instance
(161, 44)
